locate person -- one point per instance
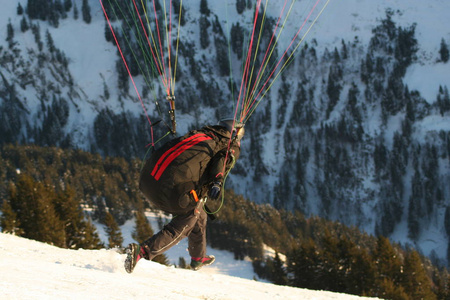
(178, 179)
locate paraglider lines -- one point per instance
(260, 87)
(128, 70)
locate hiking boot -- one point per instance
(198, 262)
(133, 252)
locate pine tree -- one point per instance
(50, 42)
(69, 212)
(19, 9)
(90, 238)
(67, 5)
(180, 15)
(221, 44)
(108, 34)
(204, 10)
(33, 203)
(24, 25)
(415, 209)
(10, 34)
(86, 12)
(387, 261)
(37, 36)
(304, 265)
(444, 52)
(204, 36)
(142, 230)
(447, 221)
(333, 88)
(415, 281)
(279, 275)
(237, 39)
(75, 11)
(33, 9)
(443, 100)
(162, 259)
(387, 289)
(8, 220)
(53, 15)
(240, 6)
(115, 238)
(182, 263)
(123, 77)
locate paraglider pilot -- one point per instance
(177, 179)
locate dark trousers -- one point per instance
(191, 225)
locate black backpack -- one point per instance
(182, 165)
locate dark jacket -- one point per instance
(191, 162)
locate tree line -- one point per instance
(45, 193)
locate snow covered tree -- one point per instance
(180, 15)
(86, 12)
(10, 34)
(204, 10)
(240, 6)
(221, 44)
(108, 34)
(75, 11)
(24, 25)
(204, 36)
(67, 5)
(415, 209)
(444, 52)
(443, 100)
(38, 9)
(50, 42)
(237, 39)
(333, 88)
(19, 9)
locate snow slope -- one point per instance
(33, 270)
(342, 20)
(225, 264)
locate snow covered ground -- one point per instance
(225, 263)
(34, 270)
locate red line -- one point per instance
(285, 52)
(128, 70)
(176, 153)
(168, 152)
(244, 76)
(247, 63)
(150, 46)
(246, 69)
(268, 48)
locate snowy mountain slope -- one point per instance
(91, 63)
(225, 264)
(33, 270)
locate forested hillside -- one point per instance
(345, 133)
(52, 195)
